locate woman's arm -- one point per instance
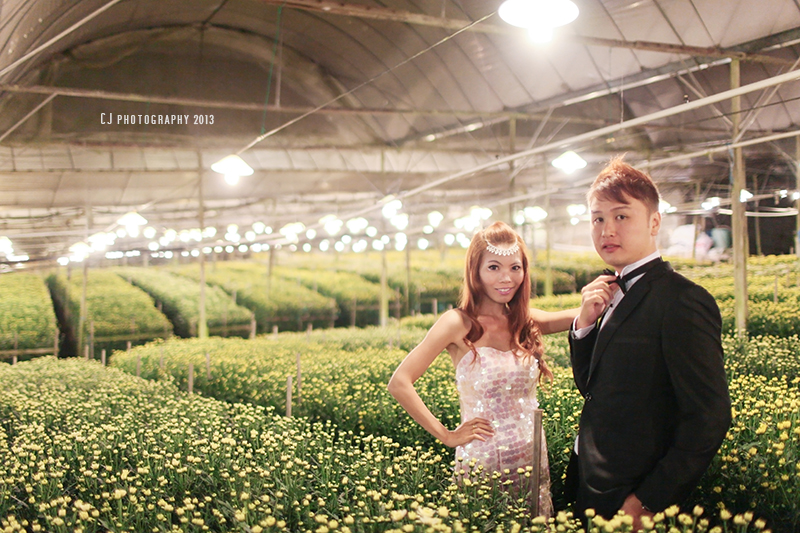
(594, 299)
(554, 321)
(449, 329)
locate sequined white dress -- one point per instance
(502, 388)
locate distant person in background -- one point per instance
(647, 358)
(494, 339)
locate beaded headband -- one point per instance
(491, 248)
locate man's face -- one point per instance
(623, 232)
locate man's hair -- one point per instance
(619, 179)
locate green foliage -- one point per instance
(357, 298)
(27, 319)
(347, 386)
(116, 309)
(180, 300)
(281, 303)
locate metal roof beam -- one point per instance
(331, 7)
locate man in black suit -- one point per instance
(647, 358)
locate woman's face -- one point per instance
(501, 275)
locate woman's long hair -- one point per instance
(526, 337)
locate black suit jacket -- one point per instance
(656, 405)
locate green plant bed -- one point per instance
(424, 286)
(179, 298)
(349, 387)
(357, 298)
(281, 303)
(763, 355)
(93, 449)
(336, 383)
(27, 318)
(116, 312)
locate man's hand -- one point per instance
(595, 297)
(633, 508)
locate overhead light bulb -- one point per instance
(569, 162)
(538, 13)
(435, 218)
(131, 218)
(232, 167)
(576, 210)
(540, 34)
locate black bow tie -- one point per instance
(623, 280)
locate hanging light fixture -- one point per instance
(569, 162)
(232, 167)
(539, 17)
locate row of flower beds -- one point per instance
(116, 311)
(179, 299)
(285, 304)
(357, 298)
(27, 319)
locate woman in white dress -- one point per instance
(495, 342)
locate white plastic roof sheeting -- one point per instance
(396, 98)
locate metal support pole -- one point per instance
(797, 193)
(407, 287)
(384, 312)
(548, 270)
(202, 325)
(757, 219)
(537, 459)
(512, 138)
(270, 266)
(738, 216)
(697, 219)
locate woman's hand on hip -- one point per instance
(474, 429)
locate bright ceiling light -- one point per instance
(331, 224)
(535, 213)
(569, 162)
(538, 13)
(391, 208)
(232, 167)
(399, 221)
(666, 207)
(131, 219)
(540, 34)
(357, 225)
(576, 210)
(6, 246)
(711, 203)
(435, 218)
(745, 195)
